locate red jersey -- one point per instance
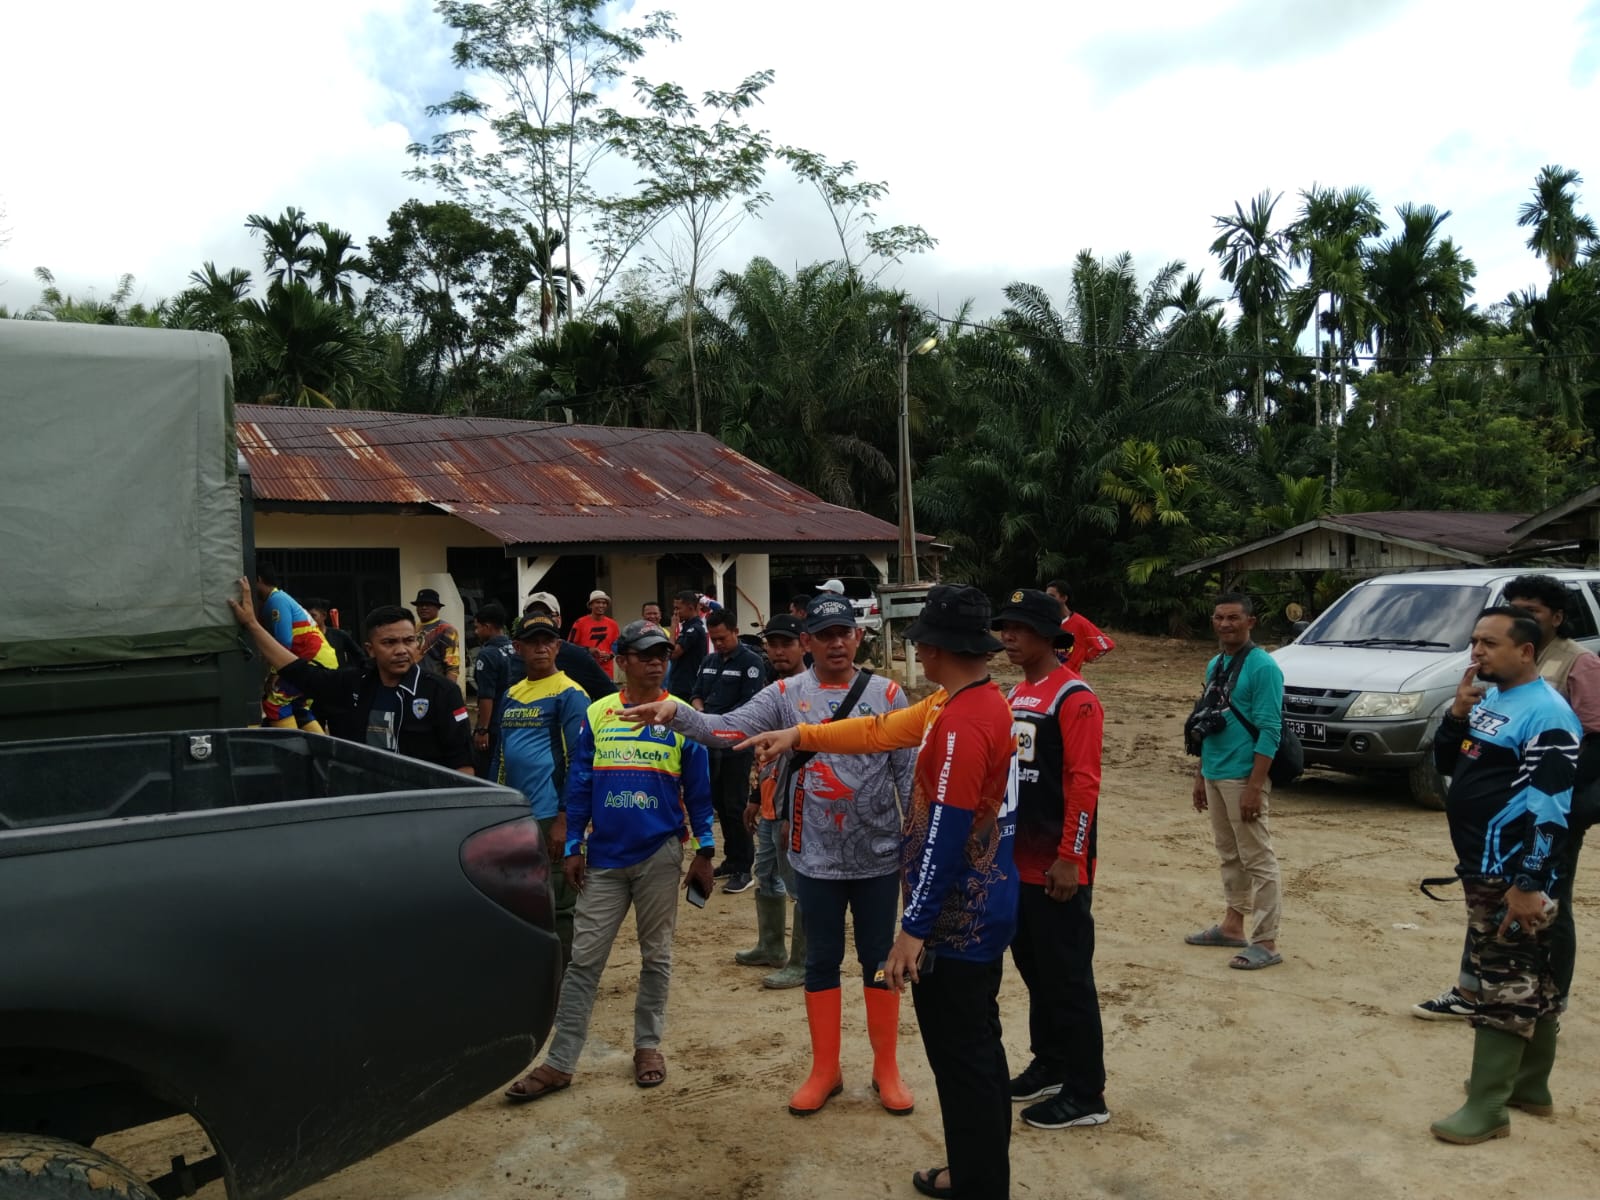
(1059, 725)
(1088, 643)
(597, 635)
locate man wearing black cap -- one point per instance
(960, 882)
(1059, 726)
(441, 644)
(572, 660)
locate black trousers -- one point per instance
(1054, 952)
(730, 791)
(958, 1013)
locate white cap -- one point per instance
(545, 598)
(831, 585)
(597, 594)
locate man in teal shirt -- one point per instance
(1243, 681)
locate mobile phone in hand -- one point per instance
(696, 896)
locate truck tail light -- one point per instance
(508, 863)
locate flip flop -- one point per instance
(923, 1182)
(542, 1081)
(649, 1062)
(1214, 937)
(1253, 958)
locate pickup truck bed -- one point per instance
(313, 947)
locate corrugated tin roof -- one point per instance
(538, 482)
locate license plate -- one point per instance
(1314, 732)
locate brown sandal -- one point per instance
(538, 1083)
(646, 1063)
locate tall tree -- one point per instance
(333, 264)
(1418, 283)
(284, 253)
(1560, 233)
(550, 64)
(849, 201)
(703, 176)
(1252, 255)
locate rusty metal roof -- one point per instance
(1482, 533)
(538, 482)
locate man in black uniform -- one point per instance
(728, 677)
(395, 704)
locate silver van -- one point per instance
(1366, 683)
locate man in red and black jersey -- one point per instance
(1058, 724)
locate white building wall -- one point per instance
(633, 582)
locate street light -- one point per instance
(908, 523)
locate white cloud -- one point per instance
(1017, 133)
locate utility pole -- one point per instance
(908, 524)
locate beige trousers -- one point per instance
(1249, 867)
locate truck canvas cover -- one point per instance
(119, 507)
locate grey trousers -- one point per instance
(774, 876)
(651, 889)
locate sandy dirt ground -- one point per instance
(1308, 1079)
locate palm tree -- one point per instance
(285, 256)
(55, 305)
(1252, 256)
(1328, 237)
(556, 284)
(304, 350)
(1559, 234)
(333, 263)
(1418, 284)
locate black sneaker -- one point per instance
(1033, 1084)
(723, 871)
(1063, 1112)
(739, 881)
(1448, 1005)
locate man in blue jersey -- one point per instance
(629, 790)
(1512, 752)
(536, 723)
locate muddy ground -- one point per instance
(1309, 1079)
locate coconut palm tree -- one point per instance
(1560, 234)
(1252, 255)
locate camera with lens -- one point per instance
(1202, 723)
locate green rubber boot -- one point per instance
(794, 974)
(1496, 1057)
(768, 950)
(1531, 1090)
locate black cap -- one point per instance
(642, 635)
(1039, 611)
(955, 619)
(782, 625)
(829, 611)
(428, 596)
(529, 627)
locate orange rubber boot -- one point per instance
(825, 1081)
(883, 1030)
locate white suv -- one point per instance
(1365, 684)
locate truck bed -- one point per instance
(277, 933)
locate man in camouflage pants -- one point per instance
(1513, 752)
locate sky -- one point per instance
(138, 138)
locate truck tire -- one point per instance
(35, 1167)
(1428, 787)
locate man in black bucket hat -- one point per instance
(960, 885)
(1059, 726)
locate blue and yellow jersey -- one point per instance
(537, 722)
(292, 628)
(630, 787)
